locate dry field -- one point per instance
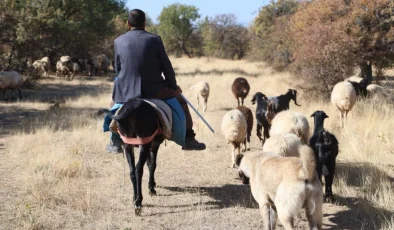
(56, 174)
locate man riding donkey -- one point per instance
(140, 62)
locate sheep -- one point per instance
(91, 66)
(102, 63)
(202, 91)
(11, 80)
(234, 129)
(42, 64)
(282, 101)
(284, 144)
(291, 122)
(75, 68)
(249, 122)
(240, 89)
(325, 147)
(343, 97)
(63, 69)
(261, 109)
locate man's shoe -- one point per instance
(193, 144)
(114, 149)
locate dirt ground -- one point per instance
(56, 174)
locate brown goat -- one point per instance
(240, 89)
(249, 121)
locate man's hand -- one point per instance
(178, 89)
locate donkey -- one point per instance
(139, 119)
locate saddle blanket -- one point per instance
(171, 117)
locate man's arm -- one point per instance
(117, 60)
(166, 66)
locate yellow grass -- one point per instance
(56, 174)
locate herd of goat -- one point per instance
(287, 174)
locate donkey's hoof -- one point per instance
(138, 211)
(248, 149)
(152, 192)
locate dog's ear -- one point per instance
(253, 99)
(238, 159)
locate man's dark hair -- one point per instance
(136, 18)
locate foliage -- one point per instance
(57, 27)
(270, 40)
(331, 38)
(224, 38)
(176, 26)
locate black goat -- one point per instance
(261, 109)
(325, 147)
(360, 88)
(139, 119)
(282, 101)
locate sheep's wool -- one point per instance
(234, 126)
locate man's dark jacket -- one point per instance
(140, 60)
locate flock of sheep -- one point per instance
(66, 66)
(287, 174)
(69, 67)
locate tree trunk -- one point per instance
(10, 57)
(184, 49)
(366, 70)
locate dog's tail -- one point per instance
(308, 160)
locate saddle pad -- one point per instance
(165, 115)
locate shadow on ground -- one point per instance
(16, 117)
(229, 195)
(361, 213)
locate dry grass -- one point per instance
(56, 174)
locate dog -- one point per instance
(283, 185)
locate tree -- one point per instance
(176, 26)
(57, 27)
(331, 38)
(270, 37)
(223, 37)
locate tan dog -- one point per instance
(284, 185)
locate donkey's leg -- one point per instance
(139, 171)
(152, 165)
(130, 159)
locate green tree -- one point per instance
(176, 26)
(223, 37)
(59, 27)
(270, 36)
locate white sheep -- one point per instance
(234, 129)
(343, 97)
(11, 80)
(284, 144)
(202, 91)
(43, 64)
(291, 122)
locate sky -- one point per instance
(245, 10)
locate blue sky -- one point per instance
(245, 10)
